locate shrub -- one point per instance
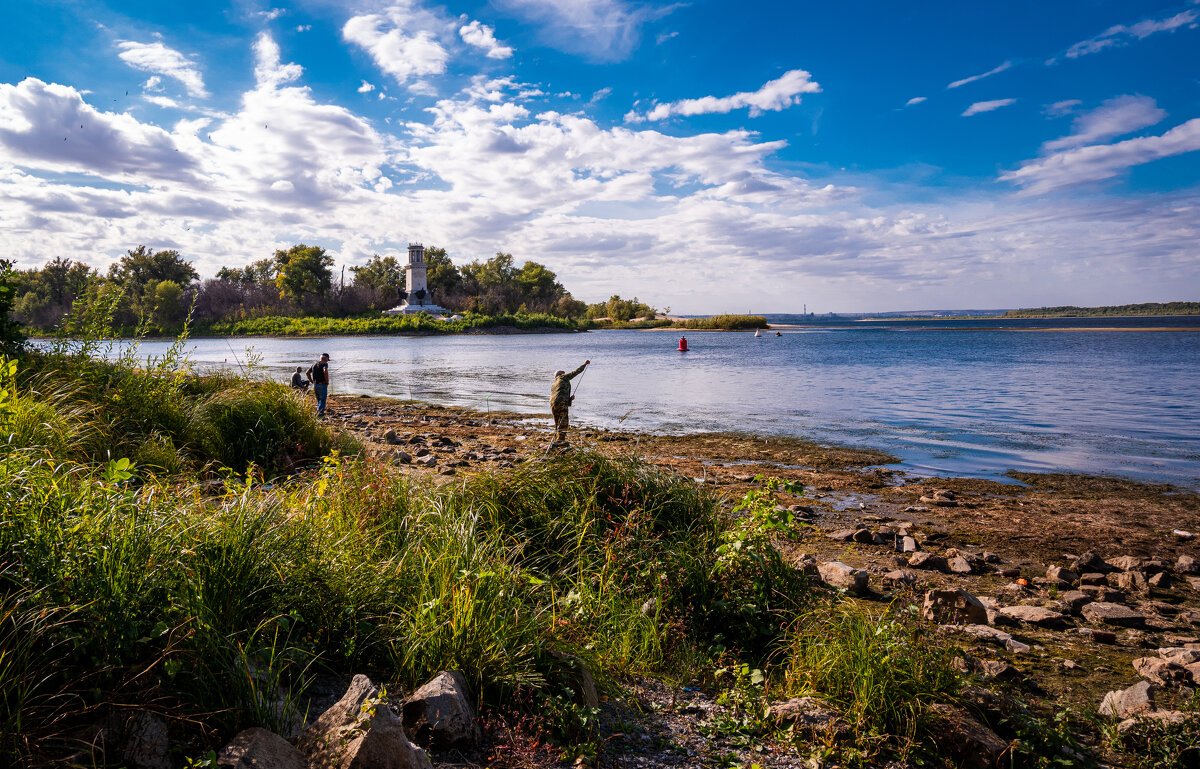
(724, 322)
(263, 423)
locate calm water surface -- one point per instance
(976, 400)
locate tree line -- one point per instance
(160, 288)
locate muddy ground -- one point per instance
(1035, 522)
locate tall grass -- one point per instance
(724, 322)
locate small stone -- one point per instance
(972, 744)
(1034, 615)
(899, 578)
(1138, 698)
(391, 438)
(439, 714)
(422, 452)
(1190, 617)
(1126, 563)
(839, 575)
(1186, 564)
(1131, 582)
(907, 545)
(929, 561)
(808, 713)
(955, 606)
(1164, 717)
(1098, 636)
(1074, 600)
(1162, 580)
(1070, 665)
(1061, 575)
(985, 633)
(428, 460)
(842, 535)
(1093, 578)
(1180, 655)
(1016, 647)
(991, 558)
(1112, 614)
(1090, 562)
(959, 565)
(864, 537)
(260, 749)
(403, 457)
(1103, 594)
(650, 607)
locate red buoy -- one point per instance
(683, 344)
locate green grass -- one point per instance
(385, 324)
(724, 323)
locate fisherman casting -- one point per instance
(560, 401)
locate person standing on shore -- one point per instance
(560, 402)
(318, 374)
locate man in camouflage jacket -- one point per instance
(560, 401)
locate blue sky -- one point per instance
(706, 156)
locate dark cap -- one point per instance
(324, 355)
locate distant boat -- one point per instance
(757, 333)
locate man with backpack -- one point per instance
(318, 374)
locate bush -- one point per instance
(263, 423)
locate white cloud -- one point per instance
(987, 106)
(973, 78)
(1121, 34)
(1112, 118)
(915, 100)
(1060, 108)
(267, 68)
(1100, 162)
(775, 95)
(483, 37)
(303, 27)
(272, 14)
(366, 87)
(162, 101)
(399, 52)
(159, 59)
(604, 30)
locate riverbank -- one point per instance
(1036, 555)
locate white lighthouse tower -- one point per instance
(417, 289)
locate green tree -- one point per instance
(303, 272)
(255, 273)
(140, 271)
(168, 303)
(442, 277)
(538, 285)
(384, 276)
(11, 337)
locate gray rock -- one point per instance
(899, 578)
(1186, 564)
(1074, 600)
(970, 743)
(863, 537)
(575, 674)
(807, 713)
(1161, 580)
(1016, 647)
(1131, 581)
(1090, 562)
(421, 452)
(1062, 575)
(1126, 563)
(907, 544)
(1180, 655)
(1103, 594)
(403, 457)
(1093, 578)
(360, 731)
(650, 607)
(842, 535)
(1157, 670)
(1163, 717)
(1112, 614)
(440, 715)
(145, 744)
(428, 460)
(956, 607)
(839, 575)
(985, 633)
(959, 565)
(1138, 698)
(1190, 617)
(1034, 615)
(260, 749)
(922, 560)
(392, 438)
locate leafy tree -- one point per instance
(384, 276)
(442, 277)
(11, 337)
(304, 273)
(44, 296)
(168, 303)
(138, 274)
(255, 273)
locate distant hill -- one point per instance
(1147, 308)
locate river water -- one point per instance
(975, 398)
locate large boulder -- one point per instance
(440, 715)
(360, 731)
(954, 607)
(1138, 698)
(1034, 615)
(145, 744)
(969, 742)
(260, 749)
(1112, 614)
(839, 575)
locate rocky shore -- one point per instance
(1062, 591)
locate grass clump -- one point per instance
(723, 323)
(883, 672)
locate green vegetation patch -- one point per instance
(420, 323)
(724, 323)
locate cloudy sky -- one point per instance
(707, 156)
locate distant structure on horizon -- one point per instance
(417, 297)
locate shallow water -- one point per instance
(974, 401)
